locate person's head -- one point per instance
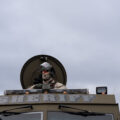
(47, 71)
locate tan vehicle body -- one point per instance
(42, 102)
(53, 100)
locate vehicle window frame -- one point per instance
(42, 113)
(112, 114)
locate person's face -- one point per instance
(46, 75)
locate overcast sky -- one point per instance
(83, 34)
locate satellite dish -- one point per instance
(31, 70)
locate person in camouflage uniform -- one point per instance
(48, 78)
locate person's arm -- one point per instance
(31, 87)
(60, 86)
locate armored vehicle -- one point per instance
(48, 103)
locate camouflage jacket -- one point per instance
(56, 86)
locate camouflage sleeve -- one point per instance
(31, 87)
(59, 86)
(36, 86)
